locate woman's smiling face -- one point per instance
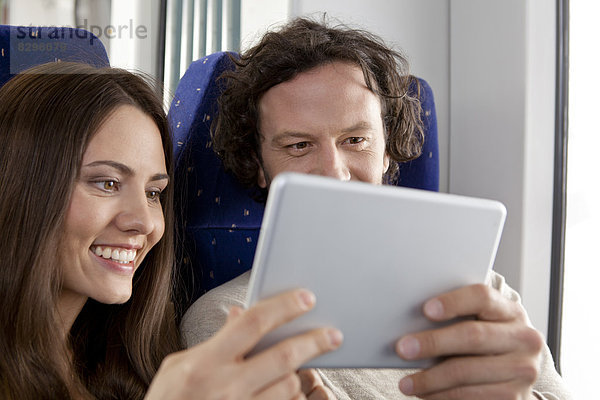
(115, 215)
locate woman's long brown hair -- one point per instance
(48, 115)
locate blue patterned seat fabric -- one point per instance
(22, 47)
(220, 219)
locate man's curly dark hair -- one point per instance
(299, 46)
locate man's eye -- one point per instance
(299, 145)
(355, 140)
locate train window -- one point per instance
(580, 351)
(127, 29)
(196, 28)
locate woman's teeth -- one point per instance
(122, 256)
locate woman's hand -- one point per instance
(494, 356)
(218, 369)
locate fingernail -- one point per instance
(408, 347)
(307, 299)
(434, 309)
(406, 386)
(335, 337)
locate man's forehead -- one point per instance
(361, 126)
(323, 73)
(332, 94)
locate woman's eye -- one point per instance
(107, 185)
(153, 195)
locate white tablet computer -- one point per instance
(372, 255)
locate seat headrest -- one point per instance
(22, 47)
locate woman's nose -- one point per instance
(135, 215)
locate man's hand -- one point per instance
(495, 356)
(313, 386)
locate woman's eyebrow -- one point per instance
(159, 177)
(124, 169)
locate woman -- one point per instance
(87, 234)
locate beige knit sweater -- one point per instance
(209, 313)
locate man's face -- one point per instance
(325, 122)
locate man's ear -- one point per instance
(386, 162)
(261, 180)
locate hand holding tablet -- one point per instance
(372, 255)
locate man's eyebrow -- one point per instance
(290, 134)
(360, 126)
(124, 169)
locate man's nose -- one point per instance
(333, 163)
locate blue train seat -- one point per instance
(220, 218)
(22, 47)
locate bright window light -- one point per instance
(580, 348)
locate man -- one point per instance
(335, 102)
